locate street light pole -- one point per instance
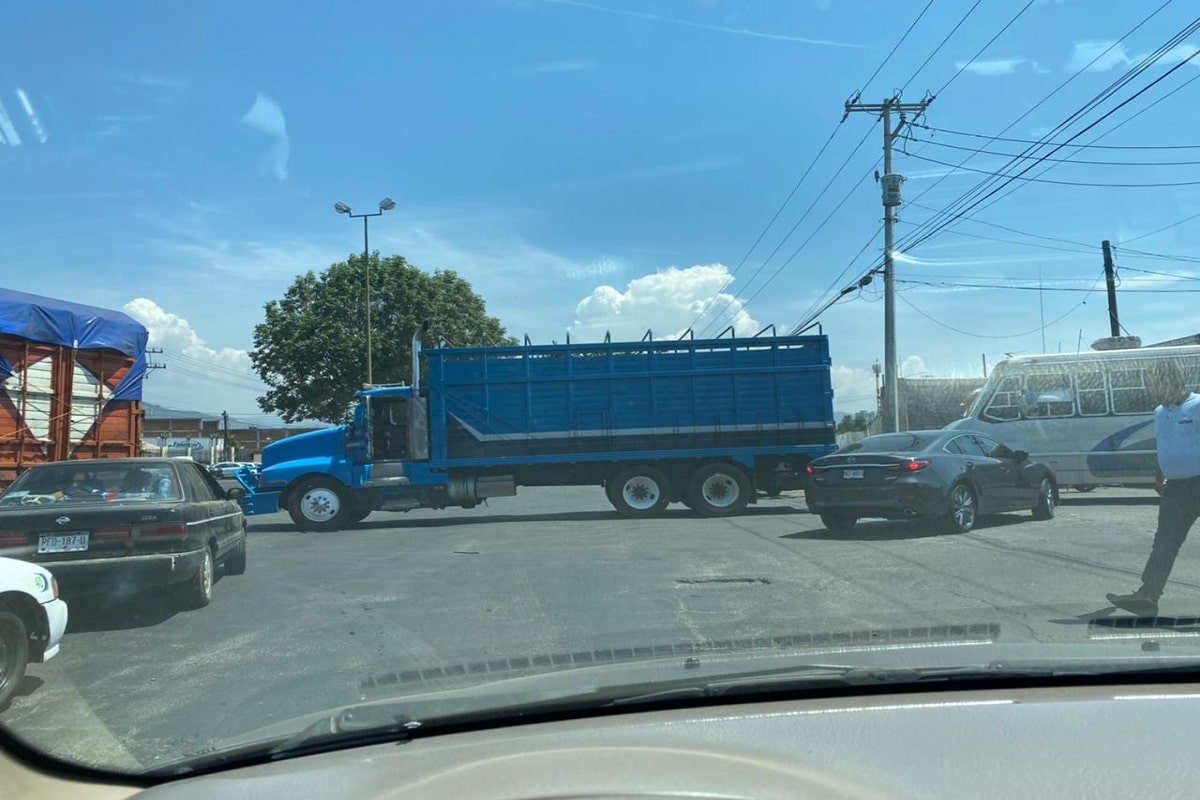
(386, 204)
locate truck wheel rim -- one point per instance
(641, 493)
(1048, 494)
(720, 490)
(320, 505)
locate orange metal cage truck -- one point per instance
(70, 382)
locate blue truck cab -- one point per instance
(709, 423)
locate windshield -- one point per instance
(95, 482)
(461, 355)
(892, 443)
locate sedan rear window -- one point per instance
(891, 443)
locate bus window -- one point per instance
(1092, 394)
(1005, 403)
(1129, 395)
(1191, 376)
(1049, 395)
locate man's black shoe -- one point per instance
(1135, 604)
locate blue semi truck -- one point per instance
(705, 422)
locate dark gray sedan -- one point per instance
(947, 476)
(112, 527)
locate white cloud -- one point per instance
(853, 389)
(643, 15)
(8, 133)
(197, 377)
(266, 115)
(35, 121)
(1102, 56)
(666, 302)
(553, 67)
(991, 66)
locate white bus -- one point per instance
(1086, 415)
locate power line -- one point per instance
(967, 285)
(1164, 274)
(786, 236)
(767, 227)
(809, 169)
(1160, 230)
(988, 44)
(971, 199)
(1017, 231)
(1056, 182)
(1055, 91)
(895, 47)
(1100, 136)
(1038, 329)
(941, 44)
(981, 151)
(1023, 244)
(1134, 147)
(810, 321)
(1162, 256)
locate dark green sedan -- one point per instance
(108, 528)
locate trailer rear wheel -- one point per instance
(638, 491)
(319, 504)
(719, 490)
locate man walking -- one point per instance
(1177, 430)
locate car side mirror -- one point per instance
(235, 493)
(1021, 456)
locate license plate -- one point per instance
(852, 473)
(62, 542)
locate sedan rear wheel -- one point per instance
(1045, 507)
(839, 523)
(964, 509)
(198, 591)
(235, 562)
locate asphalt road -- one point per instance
(547, 572)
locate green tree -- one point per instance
(311, 347)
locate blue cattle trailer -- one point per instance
(705, 422)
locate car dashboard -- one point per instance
(1073, 741)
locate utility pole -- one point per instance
(891, 200)
(225, 447)
(1110, 278)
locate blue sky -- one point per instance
(592, 166)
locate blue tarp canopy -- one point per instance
(44, 319)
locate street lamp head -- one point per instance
(341, 207)
(387, 204)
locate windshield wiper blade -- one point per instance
(349, 727)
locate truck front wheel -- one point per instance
(320, 504)
(638, 491)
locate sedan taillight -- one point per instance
(165, 532)
(12, 538)
(912, 465)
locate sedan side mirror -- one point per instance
(235, 493)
